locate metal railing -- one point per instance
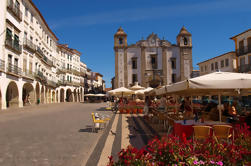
(14, 45)
(2, 65)
(40, 75)
(14, 69)
(29, 45)
(40, 52)
(48, 61)
(28, 73)
(243, 51)
(244, 68)
(43, 56)
(15, 10)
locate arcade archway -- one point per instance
(42, 95)
(37, 92)
(61, 95)
(28, 94)
(69, 96)
(12, 95)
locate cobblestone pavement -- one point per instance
(48, 135)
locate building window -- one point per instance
(222, 63)
(68, 66)
(206, 68)
(249, 44)
(8, 34)
(154, 61)
(249, 60)
(173, 61)
(173, 78)
(216, 66)
(201, 69)
(226, 62)
(241, 47)
(26, 11)
(134, 63)
(212, 67)
(31, 17)
(9, 59)
(242, 61)
(134, 78)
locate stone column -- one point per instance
(143, 66)
(125, 69)
(164, 65)
(116, 82)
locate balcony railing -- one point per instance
(28, 73)
(2, 65)
(14, 69)
(244, 68)
(48, 61)
(28, 44)
(44, 58)
(13, 45)
(41, 76)
(243, 51)
(15, 10)
(40, 52)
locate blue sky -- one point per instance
(89, 25)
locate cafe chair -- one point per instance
(97, 122)
(201, 132)
(222, 132)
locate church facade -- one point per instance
(152, 62)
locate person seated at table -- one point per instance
(226, 108)
(182, 106)
(188, 111)
(162, 105)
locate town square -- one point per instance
(112, 83)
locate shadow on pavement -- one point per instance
(88, 129)
(138, 135)
(101, 109)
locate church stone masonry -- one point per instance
(152, 62)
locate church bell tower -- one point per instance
(120, 48)
(184, 41)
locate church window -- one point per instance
(185, 41)
(154, 61)
(120, 40)
(134, 63)
(173, 61)
(173, 78)
(134, 78)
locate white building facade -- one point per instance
(225, 63)
(243, 51)
(33, 68)
(152, 62)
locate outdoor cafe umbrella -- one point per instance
(90, 94)
(100, 95)
(121, 92)
(142, 91)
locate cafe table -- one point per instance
(187, 128)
